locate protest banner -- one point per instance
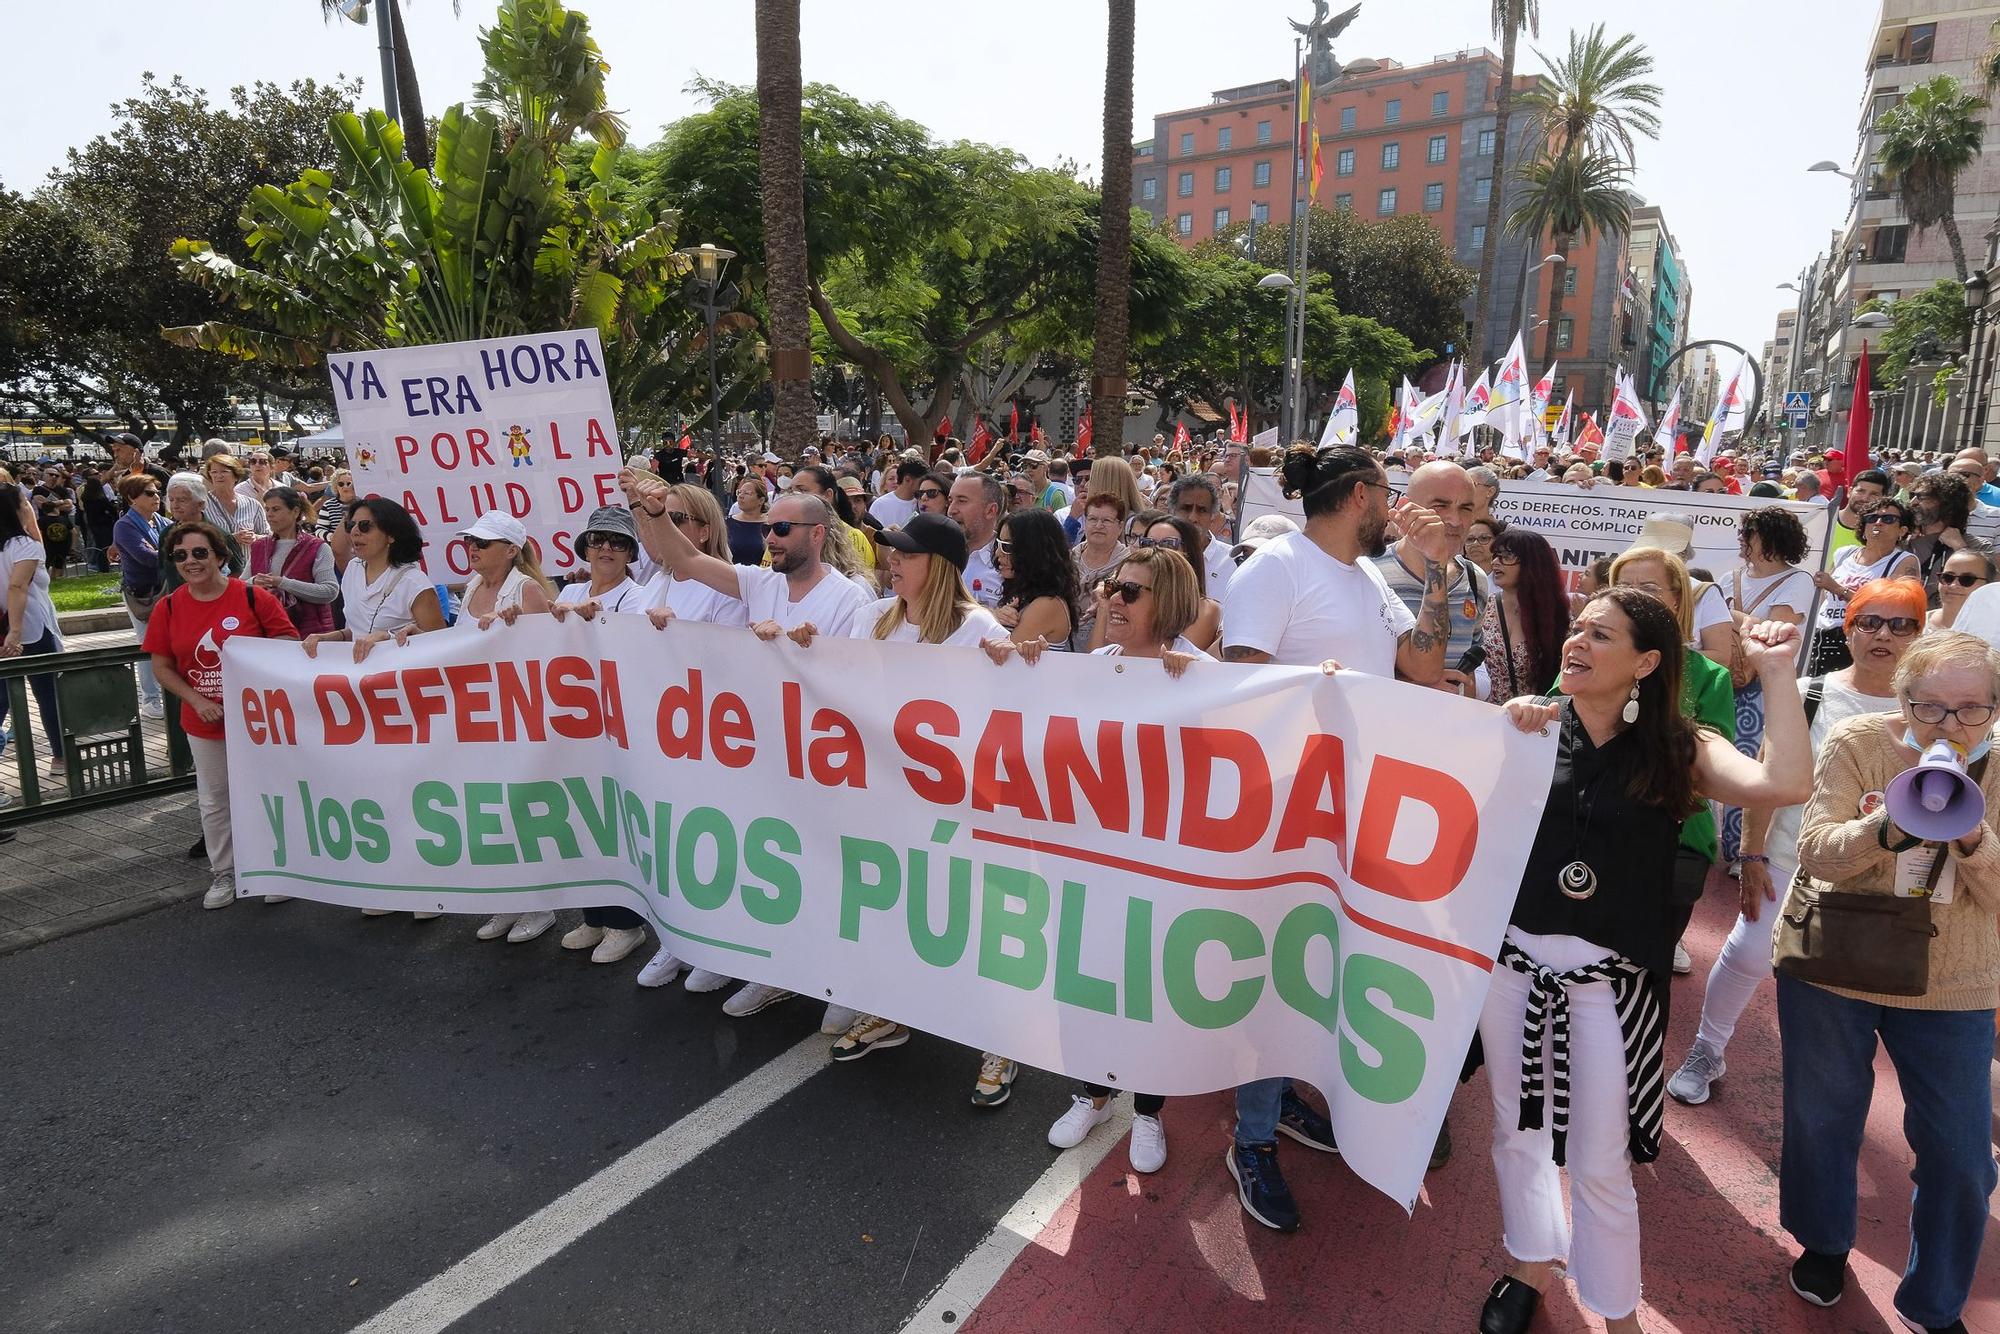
(1584, 523)
(1171, 886)
(452, 430)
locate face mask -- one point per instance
(1978, 752)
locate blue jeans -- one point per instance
(44, 687)
(1257, 1106)
(1943, 1061)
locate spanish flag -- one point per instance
(1307, 140)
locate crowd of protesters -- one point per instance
(1744, 719)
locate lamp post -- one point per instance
(706, 293)
(1528, 273)
(1281, 282)
(1975, 371)
(357, 11)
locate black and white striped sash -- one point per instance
(1642, 1020)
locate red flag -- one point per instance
(1036, 435)
(687, 438)
(1860, 418)
(1181, 439)
(1014, 422)
(1591, 434)
(1241, 436)
(1231, 405)
(943, 429)
(982, 440)
(1083, 436)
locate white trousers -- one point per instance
(1602, 1254)
(211, 794)
(1743, 966)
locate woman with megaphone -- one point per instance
(1888, 933)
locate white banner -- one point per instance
(1171, 886)
(1584, 523)
(452, 430)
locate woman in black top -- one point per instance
(1579, 994)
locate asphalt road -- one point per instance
(289, 1117)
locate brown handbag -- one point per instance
(1876, 943)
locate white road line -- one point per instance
(485, 1273)
(966, 1286)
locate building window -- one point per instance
(1263, 131)
(1385, 202)
(1184, 224)
(1434, 152)
(1433, 197)
(1919, 41)
(1144, 150)
(1260, 213)
(1889, 245)
(1392, 156)
(1261, 174)
(1346, 119)
(1482, 189)
(1486, 143)
(1184, 184)
(1569, 282)
(1222, 137)
(1223, 176)
(1149, 188)
(1559, 388)
(1479, 238)
(1221, 219)
(1343, 162)
(1565, 332)
(1187, 143)
(1344, 202)
(1392, 111)
(1440, 104)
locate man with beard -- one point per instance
(1304, 599)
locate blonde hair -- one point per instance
(1176, 598)
(526, 563)
(699, 505)
(1941, 650)
(1677, 580)
(1113, 477)
(942, 605)
(229, 461)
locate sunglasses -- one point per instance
(676, 517)
(929, 493)
(152, 491)
(783, 527)
(185, 554)
(1902, 627)
(1895, 520)
(1961, 580)
(481, 543)
(361, 526)
(1163, 543)
(1126, 589)
(1003, 546)
(613, 543)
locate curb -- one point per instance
(104, 914)
(92, 622)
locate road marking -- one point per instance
(485, 1273)
(966, 1286)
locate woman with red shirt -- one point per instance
(185, 637)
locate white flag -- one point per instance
(1663, 433)
(1511, 412)
(1344, 422)
(1729, 403)
(1477, 400)
(1454, 403)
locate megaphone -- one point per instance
(1934, 798)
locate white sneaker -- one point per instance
(153, 709)
(1683, 965)
(617, 944)
(425, 916)
(753, 997)
(221, 892)
(57, 769)
(6, 799)
(661, 969)
(496, 926)
(1076, 1123)
(838, 1020)
(529, 925)
(277, 898)
(376, 912)
(1148, 1150)
(583, 937)
(1702, 1068)
(701, 979)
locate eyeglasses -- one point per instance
(1968, 715)
(1502, 557)
(185, 554)
(361, 526)
(1961, 580)
(1164, 543)
(1479, 539)
(1003, 547)
(1893, 519)
(1903, 627)
(1126, 589)
(929, 493)
(783, 527)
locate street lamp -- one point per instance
(706, 293)
(1276, 281)
(1975, 304)
(1833, 167)
(1526, 274)
(356, 11)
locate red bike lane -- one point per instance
(1174, 1251)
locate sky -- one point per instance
(1754, 92)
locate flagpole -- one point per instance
(1295, 309)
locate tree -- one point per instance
(1509, 18)
(1924, 327)
(86, 278)
(1928, 138)
(1110, 348)
(409, 98)
(1568, 198)
(781, 172)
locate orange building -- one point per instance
(1394, 140)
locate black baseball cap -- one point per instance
(927, 535)
(127, 439)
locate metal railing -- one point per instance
(105, 760)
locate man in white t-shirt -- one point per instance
(893, 508)
(1195, 499)
(975, 504)
(1303, 599)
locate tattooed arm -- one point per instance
(1420, 652)
(1239, 653)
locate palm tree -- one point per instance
(1595, 98)
(1509, 17)
(1928, 138)
(781, 170)
(1112, 334)
(409, 99)
(1571, 197)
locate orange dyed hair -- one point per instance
(1887, 597)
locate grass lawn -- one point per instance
(85, 592)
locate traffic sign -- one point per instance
(1796, 419)
(1798, 400)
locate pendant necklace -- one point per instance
(1577, 880)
